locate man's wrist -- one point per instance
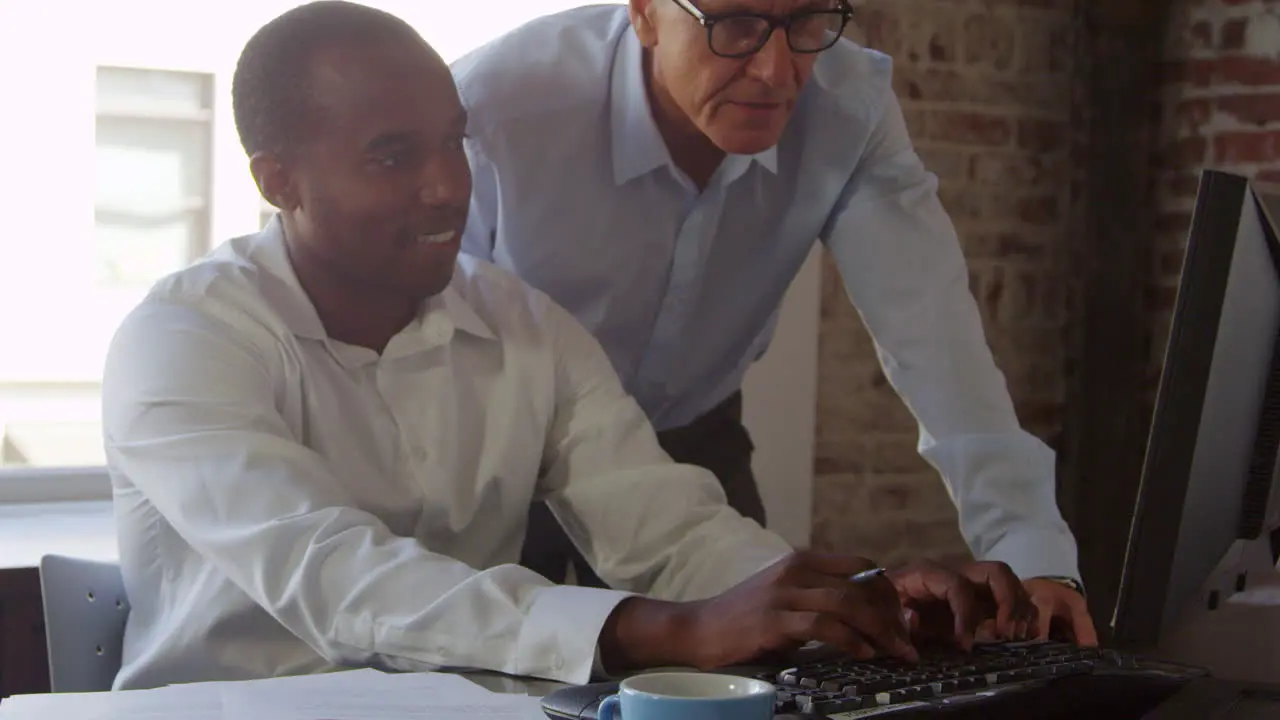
(1065, 581)
(642, 633)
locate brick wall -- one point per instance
(986, 86)
(1220, 108)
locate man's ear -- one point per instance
(644, 18)
(274, 179)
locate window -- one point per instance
(125, 167)
(151, 189)
(152, 137)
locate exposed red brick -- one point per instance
(1258, 109)
(1039, 210)
(1190, 116)
(1231, 35)
(882, 30)
(1248, 70)
(1187, 151)
(1182, 185)
(989, 40)
(1010, 169)
(1200, 35)
(970, 128)
(1042, 136)
(1246, 148)
(942, 49)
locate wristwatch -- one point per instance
(1070, 582)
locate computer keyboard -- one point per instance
(840, 685)
(1016, 680)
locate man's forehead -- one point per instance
(369, 86)
(764, 7)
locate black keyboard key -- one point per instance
(834, 684)
(973, 682)
(946, 687)
(832, 706)
(901, 695)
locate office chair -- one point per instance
(84, 612)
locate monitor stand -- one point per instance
(1235, 634)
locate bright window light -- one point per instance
(122, 164)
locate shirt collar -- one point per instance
(638, 147)
(286, 296)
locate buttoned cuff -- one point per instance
(1038, 552)
(561, 634)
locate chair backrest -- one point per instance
(84, 614)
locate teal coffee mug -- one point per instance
(689, 696)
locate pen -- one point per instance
(865, 575)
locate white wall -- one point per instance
(780, 398)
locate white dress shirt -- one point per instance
(291, 504)
(576, 193)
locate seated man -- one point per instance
(324, 438)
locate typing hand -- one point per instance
(804, 597)
(940, 604)
(949, 606)
(1060, 607)
(1007, 611)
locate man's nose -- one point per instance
(446, 182)
(771, 65)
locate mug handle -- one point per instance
(608, 708)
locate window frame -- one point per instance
(38, 485)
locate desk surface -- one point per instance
(80, 529)
(512, 685)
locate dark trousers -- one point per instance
(717, 441)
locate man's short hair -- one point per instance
(270, 89)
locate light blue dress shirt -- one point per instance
(576, 193)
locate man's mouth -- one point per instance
(440, 238)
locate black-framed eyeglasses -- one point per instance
(737, 35)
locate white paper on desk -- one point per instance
(260, 702)
(189, 703)
(425, 684)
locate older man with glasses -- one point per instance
(662, 170)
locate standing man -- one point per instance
(663, 168)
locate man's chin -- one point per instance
(746, 142)
(430, 283)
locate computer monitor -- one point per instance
(1209, 480)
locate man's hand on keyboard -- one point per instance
(1007, 609)
(1060, 607)
(947, 605)
(802, 598)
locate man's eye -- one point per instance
(390, 160)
